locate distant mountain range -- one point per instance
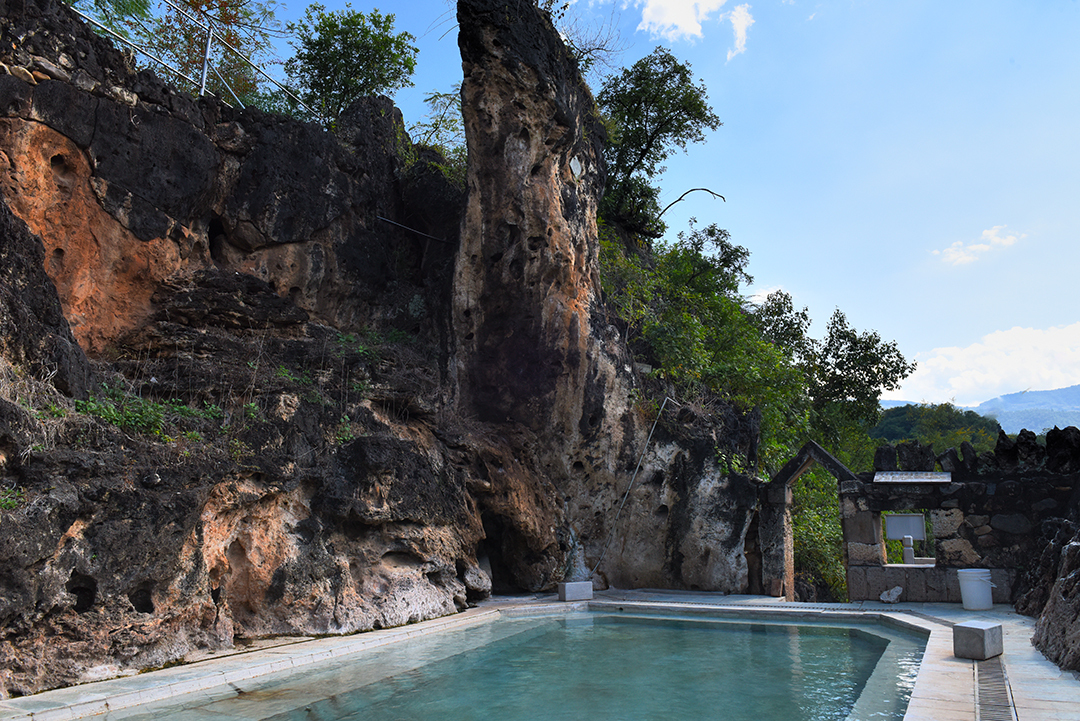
(1034, 410)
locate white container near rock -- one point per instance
(975, 589)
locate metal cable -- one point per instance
(411, 230)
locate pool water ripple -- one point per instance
(599, 666)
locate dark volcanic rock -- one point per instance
(1006, 453)
(1057, 632)
(1063, 450)
(33, 331)
(913, 456)
(885, 458)
(1029, 453)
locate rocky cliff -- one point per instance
(299, 416)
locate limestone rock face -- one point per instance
(303, 418)
(123, 211)
(1055, 599)
(537, 362)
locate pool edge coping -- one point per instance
(126, 692)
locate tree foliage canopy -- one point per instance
(443, 129)
(940, 425)
(652, 109)
(117, 15)
(242, 31)
(344, 55)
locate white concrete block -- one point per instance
(575, 591)
(977, 640)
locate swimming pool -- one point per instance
(605, 665)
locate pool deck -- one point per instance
(945, 690)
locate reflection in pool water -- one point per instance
(598, 666)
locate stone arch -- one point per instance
(774, 521)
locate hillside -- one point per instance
(1034, 410)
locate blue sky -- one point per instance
(915, 164)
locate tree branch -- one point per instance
(715, 195)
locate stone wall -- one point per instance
(988, 513)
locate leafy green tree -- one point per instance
(940, 425)
(845, 372)
(684, 313)
(816, 534)
(651, 109)
(847, 375)
(443, 129)
(117, 15)
(342, 56)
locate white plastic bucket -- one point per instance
(975, 588)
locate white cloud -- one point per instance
(758, 295)
(960, 253)
(682, 19)
(675, 19)
(1006, 361)
(741, 20)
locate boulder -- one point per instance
(1058, 627)
(1029, 453)
(1063, 450)
(885, 458)
(913, 456)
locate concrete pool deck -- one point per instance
(945, 690)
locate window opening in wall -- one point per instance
(917, 526)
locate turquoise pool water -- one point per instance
(593, 666)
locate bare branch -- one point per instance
(692, 190)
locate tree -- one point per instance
(117, 15)
(684, 314)
(345, 55)
(651, 108)
(242, 32)
(848, 373)
(941, 425)
(443, 129)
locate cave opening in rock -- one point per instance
(56, 262)
(63, 171)
(84, 589)
(142, 599)
(494, 548)
(217, 238)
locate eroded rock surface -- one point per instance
(1053, 595)
(537, 360)
(304, 418)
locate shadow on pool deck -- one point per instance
(945, 689)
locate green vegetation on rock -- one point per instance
(344, 55)
(685, 314)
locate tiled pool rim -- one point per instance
(945, 688)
